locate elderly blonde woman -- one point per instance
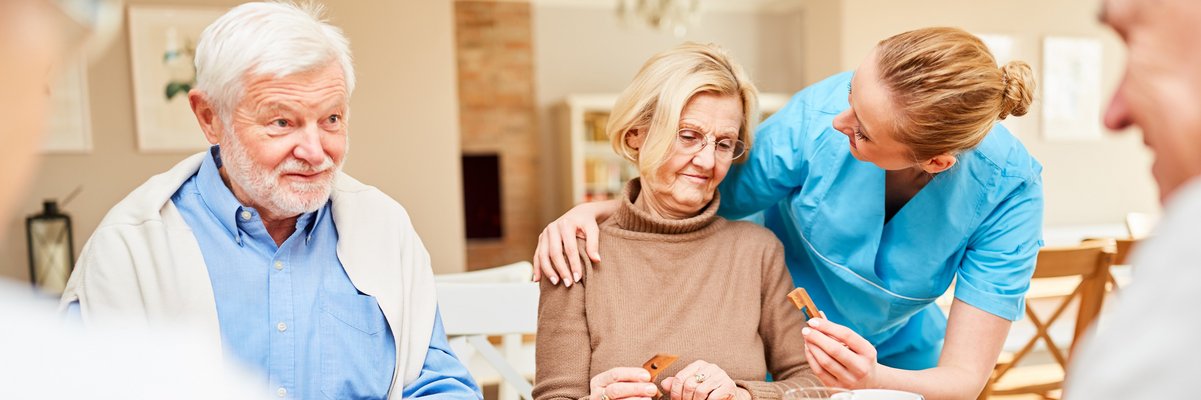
(676, 277)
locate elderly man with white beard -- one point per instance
(289, 265)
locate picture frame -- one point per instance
(1071, 89)
(162, 40)
(69, 124)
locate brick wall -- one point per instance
(497, 115)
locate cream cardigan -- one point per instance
(143, 264)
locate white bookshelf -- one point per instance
(592, 170)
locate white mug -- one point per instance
(884, 394)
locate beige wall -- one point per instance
(405, 128)
(783, 36)
(823, 38)
(406, 115)
(1091, 182)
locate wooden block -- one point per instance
(657, 364)
(801, 299)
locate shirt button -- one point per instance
(282, 392)
(246, 215)
(279, 265)
(281, 326)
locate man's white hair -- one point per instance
(264, 38)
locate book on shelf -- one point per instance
(594, 126)
(605, 178)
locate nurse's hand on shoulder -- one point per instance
(558, 253)
(703, 380)
(839, 356)
(622, 383)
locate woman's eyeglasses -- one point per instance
(692, 142)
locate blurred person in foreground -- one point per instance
(33, 34)
(42, 357)
(679, 278)
(261, 243)
(1147, 348)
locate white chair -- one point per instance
(1140, 225)
(497, 301)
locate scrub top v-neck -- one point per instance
(978, 223)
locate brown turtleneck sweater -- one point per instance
(702, 288)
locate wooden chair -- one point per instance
(496, 302)
(1084, 267)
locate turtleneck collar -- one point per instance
(631, 218)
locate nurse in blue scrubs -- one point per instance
(886, 184)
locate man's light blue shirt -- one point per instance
(292, 312)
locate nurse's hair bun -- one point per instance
(948, 90)
(1018, 81)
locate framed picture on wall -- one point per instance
(1071, 84)
(69, 129)
(162, 41)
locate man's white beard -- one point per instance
(264, 188)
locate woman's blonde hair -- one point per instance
(656, 98)
(948, 89)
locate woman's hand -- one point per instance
(839, 356)
(701, 380)
(558, 255)
(622, 383)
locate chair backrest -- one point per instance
(493, 301)
(1089, 261)
(1123, 250)
(512, 273)
(1122, 247)
(1082, 260)
(488, 308)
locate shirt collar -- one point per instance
(221, 201)
(215, 195)
(310, 220)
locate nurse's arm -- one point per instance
(973, 342)
(558, 253)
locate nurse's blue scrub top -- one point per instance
(980, 222)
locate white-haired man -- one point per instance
(294, 268)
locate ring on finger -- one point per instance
(604, 396)
(700, 377)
